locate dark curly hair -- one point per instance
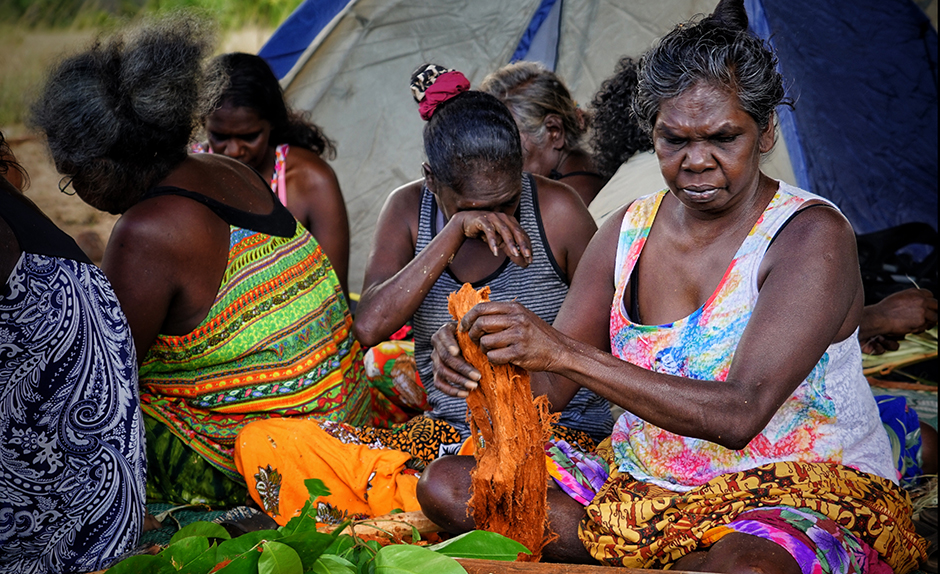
(718, 50)
(617, 135)
(119, 116)
(250, 83)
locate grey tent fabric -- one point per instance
(354, 78)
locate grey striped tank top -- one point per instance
(541, 287)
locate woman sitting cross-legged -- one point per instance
(475, 217)
(721, 314)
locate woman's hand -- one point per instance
(505, 332)
(500, 231)
(509, 333)
(453, 375)
(885, 323)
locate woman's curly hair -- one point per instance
(617, 135)
(119, 116)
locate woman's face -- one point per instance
(239, 133)
(485, 189)
(709, 148)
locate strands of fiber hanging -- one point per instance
(509, 429)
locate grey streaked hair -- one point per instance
(119, 116)
(717, 50)
(531, 92)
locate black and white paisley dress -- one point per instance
(72, 458)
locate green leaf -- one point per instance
(342, 546)
(307, 519)
(202, 563)
(366, 562)
(244, 564)
(480, 544)
(308, 545)
(277, 558)
(244, 551)
(405, 559)
(316, 488)
(186, 550)
(241, 544)
(207, 529)
(330, 564)
(141, 564)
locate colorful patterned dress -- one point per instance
(71, 437)
(830, 417)
(277, 342)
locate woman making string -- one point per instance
(251, 122)
(617, 136)
(721, 315)
(475, 217)
(235, 310)
(550, 123)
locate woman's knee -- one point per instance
(740, 553)
(444, 491)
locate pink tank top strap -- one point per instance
(279, 178)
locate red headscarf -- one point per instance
(445, 87)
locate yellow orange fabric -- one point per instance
(276, 455)
(639, 525)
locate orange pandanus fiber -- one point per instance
(510, 481)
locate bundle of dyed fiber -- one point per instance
(510, 430)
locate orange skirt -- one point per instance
(276, 455)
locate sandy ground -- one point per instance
(90, 227)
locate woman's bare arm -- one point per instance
(810, 297)
(315, 199)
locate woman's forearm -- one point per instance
(386, 306)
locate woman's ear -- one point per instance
(429, 181)
(555, 130)
(768, 135)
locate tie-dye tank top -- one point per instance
(830, 417)
(276, 342)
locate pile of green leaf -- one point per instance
(296, 548)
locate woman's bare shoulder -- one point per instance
(406, 199)
(558, 197)
(560, 205)
(311, 167)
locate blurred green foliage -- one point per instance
(34, 32)
(106, 13)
